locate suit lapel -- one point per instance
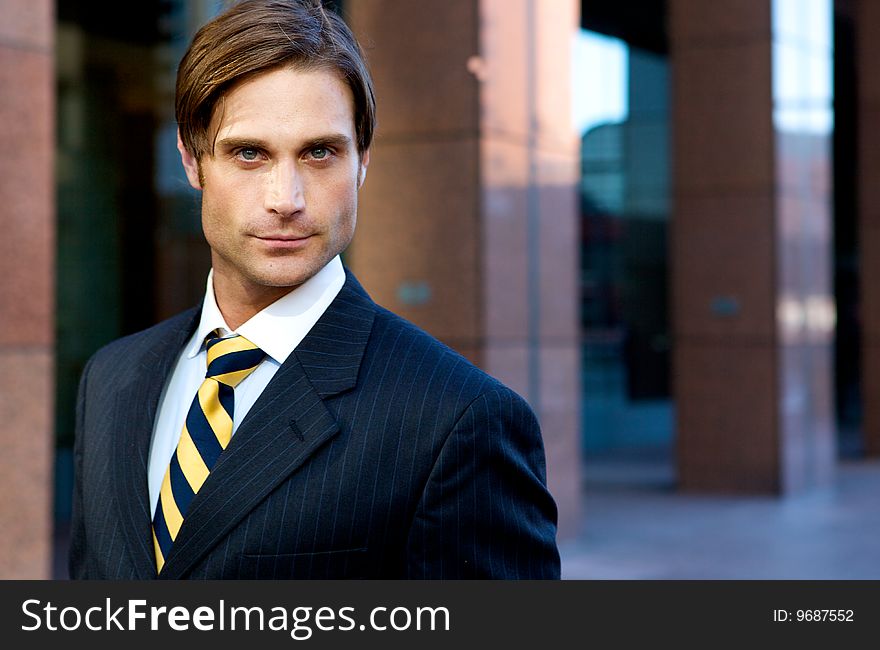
(137, 404)
(283, 429)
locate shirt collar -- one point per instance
(280, 327)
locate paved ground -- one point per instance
(637, 527)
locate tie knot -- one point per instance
(231, 359)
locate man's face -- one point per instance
(279, 192)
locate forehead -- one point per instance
(286, 102)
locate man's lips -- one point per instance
(282, 237)
(283, 241)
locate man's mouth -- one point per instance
(281, 240)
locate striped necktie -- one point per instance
(206, 432)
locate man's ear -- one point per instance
(190, 164)
(365, 161)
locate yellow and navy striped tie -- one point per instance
(206, 432)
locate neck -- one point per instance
(239, 301)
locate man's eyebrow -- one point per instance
(338, 140)
(241, 143)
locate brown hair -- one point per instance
(256, 36)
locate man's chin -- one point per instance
(285, 279)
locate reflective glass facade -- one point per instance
(622, 110)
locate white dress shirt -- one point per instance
(276, 330)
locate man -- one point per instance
(290, 427)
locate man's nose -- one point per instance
(285, 194)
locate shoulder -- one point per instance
(419, 361)
(155, 340)
(401, 355)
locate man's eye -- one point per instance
(248, 155)
(319, 153)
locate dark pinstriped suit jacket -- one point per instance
(374, 452)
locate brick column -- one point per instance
(751, 250)
(27, 256)
(468, 219)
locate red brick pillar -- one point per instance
(27, 254)
(468, 222)
(751, 245)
